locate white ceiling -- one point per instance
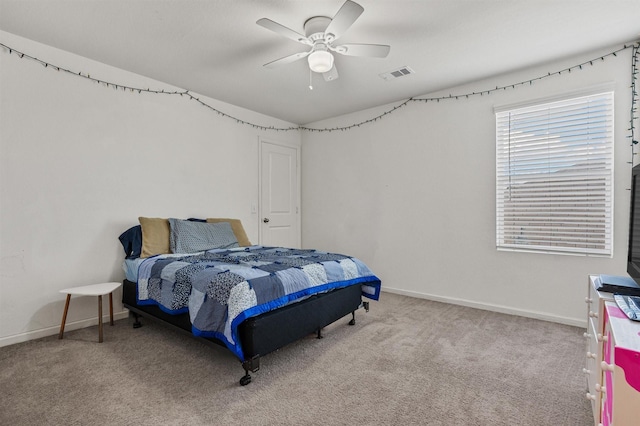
(215, 48)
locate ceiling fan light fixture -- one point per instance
(320, 61)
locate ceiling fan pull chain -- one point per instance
(310, 83)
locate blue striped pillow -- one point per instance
(190, 237)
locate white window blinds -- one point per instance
(554, 171)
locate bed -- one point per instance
(204, 277)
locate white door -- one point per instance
(279, 221)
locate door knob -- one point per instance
(265, 220)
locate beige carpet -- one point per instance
(406, 362)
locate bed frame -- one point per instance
(267, 332)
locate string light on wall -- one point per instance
(634, 95)
(633, 116)
(125, 88)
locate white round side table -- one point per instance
(91, 290)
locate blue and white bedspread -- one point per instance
(222, 288)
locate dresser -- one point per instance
(612, 365)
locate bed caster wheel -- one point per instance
(137, 323)
(353, 318)
(245, 380)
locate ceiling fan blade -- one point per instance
(283, 31)
(287, 59)
(369, 50)
(346, 16)
(331, 75)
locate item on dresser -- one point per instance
(620, 285)
(630, 305)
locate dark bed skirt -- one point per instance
(272, 330)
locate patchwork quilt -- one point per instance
(221, 288)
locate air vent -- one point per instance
(400, 72)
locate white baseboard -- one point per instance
(50, 331)
(582, 323)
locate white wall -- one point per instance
(413, 195)
(79, 162)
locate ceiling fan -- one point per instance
(321, 33)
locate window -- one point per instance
(554, 172)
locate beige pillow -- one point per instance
(155, 236)
(236, 227)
